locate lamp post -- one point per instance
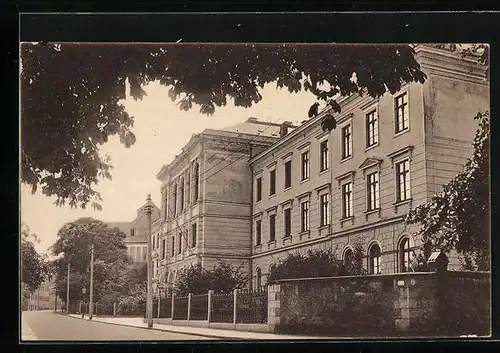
(149, 301)
(84, 290)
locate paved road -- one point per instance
(47, 325)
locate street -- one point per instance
(47, 325)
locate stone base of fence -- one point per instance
(261, 328)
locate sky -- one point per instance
(162, 129)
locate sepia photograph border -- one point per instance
(416, 27)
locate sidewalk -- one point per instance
(197, 331)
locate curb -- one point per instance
(160, 329)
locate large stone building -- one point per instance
(254, 197)
(136, 233)
(207, 198)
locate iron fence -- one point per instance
(126, 309)
(251, 306)
(222, 307)
(199, 307)
(180, 308)
(166, 307)
(103, 309)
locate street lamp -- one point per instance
(149, 301)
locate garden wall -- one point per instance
(408, 304)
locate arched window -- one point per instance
(348, 256)
(404, 255)
(196, 181)
(258, 278)
(374, 259)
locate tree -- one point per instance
(71, 94)
(458, 217)
(111, 261)
(34, 270)
(199, 280)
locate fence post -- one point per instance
(235, 300)
(210, 293)
(190, 295)
(95, 309)
(173, 306)
(114, 308)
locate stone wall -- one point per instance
(410, 304)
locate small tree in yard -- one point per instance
(458, 217)
(199, 280)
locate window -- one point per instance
(404, 255)
(173, 247)
(163, 249)
(258, 232)
(371, 128)
(132, 232)
(181, 195)
(272, 227)
(272, 182)
(179, 244)
(174, 211)
(372, 186)
(193, 235)
(259, 189)
(165, 215)
(154, 241)
(374, 259)
(346, 141)
(188, 189)
(288, 222)
(158, 241)
(401, 120)
(258, 278)
(288, 174)
(323, 149)
(324, 209)
(144, 253)
(196, 180)
(347, 200)
(305, 165)
(304, 216)
(348, 257)
(403, 180)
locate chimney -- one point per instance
(284, 128)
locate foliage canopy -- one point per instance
(71, 94)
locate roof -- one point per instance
(254, 127)
(123, 226)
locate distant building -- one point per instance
(136, 233)
(45, 298)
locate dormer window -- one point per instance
(132, 232)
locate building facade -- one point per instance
(136, 233)
(207, 198)
(305, 188)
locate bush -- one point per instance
(221, 278)
(318, 263)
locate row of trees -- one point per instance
(116, 277)
(34, 266)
